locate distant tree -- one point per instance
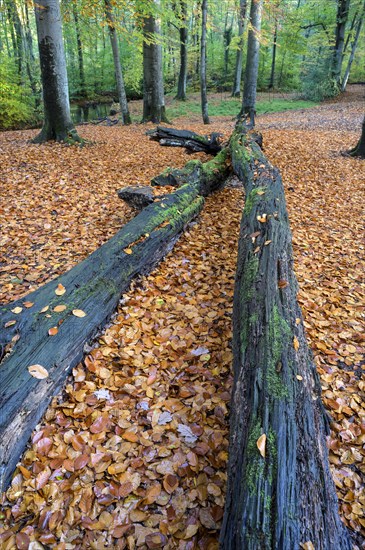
(126, 117)
(57, 117)
(79, 49)
(153, 89)
(359, 150)
(252, 62)
(183, 33)
(343, 7)
(203, 63)
(236, 89)
(359, 21)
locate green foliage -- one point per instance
(16, 106)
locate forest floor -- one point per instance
(133, 453)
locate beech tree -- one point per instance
(126, 118)
(359, 149)
(252, 62)
(183, 33)
(57, 117)
(236, 89)
(153, 90)
(203, 63)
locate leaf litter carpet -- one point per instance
(133, 453)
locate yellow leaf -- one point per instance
(267, 242)
(128, 251)
(37, 371)
(79, 313)
(299, 377)
(46, 308)
(295, 343)
(60, 290)
(261, 445)
(60, 308)
(262, 219)
(17, 310)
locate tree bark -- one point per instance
(227, 38)
(203, 64)
(183, 32)
(283, 496)
(126, 118)
(273, 60)
(236, 89)
(252, 62)
(359, 150)
(353, 50)
(153, 91)
(94, 286)
(341, 20)
(184, 138)
(57, 117)
(79, 52)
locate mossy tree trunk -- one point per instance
(93, 286)
(282, 497)
(57, 117)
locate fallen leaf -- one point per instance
(37, 371)
(60, 290)
(53, 331)
(79, 313)
(261, 445)
(59, 308)
(17, 310)
(128, 251)
(296, 344)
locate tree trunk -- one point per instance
(227, 38)
(280, 491)
(183, 32)
(252, 62)
(203, 63)
(17, 34)
(342, 16)
(94, 287)
(273, 61)
(359, 150)
(236, 89)
(353, 50)
(153, 93)
(57, 117)
(79, 52)
(126, 118)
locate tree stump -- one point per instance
(193, 142)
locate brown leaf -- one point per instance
(53, 331)
(37, 371)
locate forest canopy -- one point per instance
(298, 40)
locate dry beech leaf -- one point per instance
(28, 304)
(262, 219)
(282, 283)
(267, 242)
(295, 343)
(307, 545)
(79, 313)
(37, 371)
(300, 378)
(10, 324)
(261, 445)
(17, 310)
(60, 290)
(53, 331)
(43, 310)
(59, 308)
(128, 251)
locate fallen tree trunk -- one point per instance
(93, 287)
(193, 142)
(280, 492)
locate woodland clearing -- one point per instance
(144, 418)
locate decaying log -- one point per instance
(209, 176)
(193, 142)
(94, 287)
(137, 197)
(280, 493)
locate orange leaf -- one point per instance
(282, 283)
(60, 308)
(261, 445)
(53, 331)
(295, 343)
(60, 290)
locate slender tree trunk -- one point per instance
(126, 118)
(203, 63)
(236, 89)
(342, 16)
(57, 117)
(16, 34)
(359, 150)
(183, 32)
(252, 63)
(196, 37)
(349, 34)
(227, 37)
(273, 62)
(353, 50)
(153, 92)
(79, 51)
